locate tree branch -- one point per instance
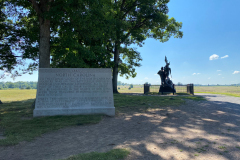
(10, 56)
(136, 26)
(35, 6)
(130, 8)
(122, 4)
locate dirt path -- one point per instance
(197, 130)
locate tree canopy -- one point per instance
(82, 33)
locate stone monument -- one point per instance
(73, 91)
(166, 84)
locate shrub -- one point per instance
(28, 87)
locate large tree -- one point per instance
(128, 22)
(137, 20)
(91, 33)
(74, 32)
(26, 35)
(7, 58)
(82, 36)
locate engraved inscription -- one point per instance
(74, 88)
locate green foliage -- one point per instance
(28, 87)
(7, 40)
(179, 84)
(136, 21)
(19, 84)
(131, 86)
(82, 36)
(85, 34)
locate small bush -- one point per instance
(28, 87)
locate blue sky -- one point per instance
(208, 53)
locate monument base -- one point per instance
(166, 89)
(110, 111)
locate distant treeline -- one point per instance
(20, 85)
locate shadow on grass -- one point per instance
(159, 128)
(17, 123)
(211, 128)
(110, 155)
(129, 103)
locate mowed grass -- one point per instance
(114, 154)
(135, 89)
(224, 90)
(17, 123)
(131, 103)
(17, 95)
(154, 88)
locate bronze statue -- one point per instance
(167, 69)
(162, 75)
(166, 84)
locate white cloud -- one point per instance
(6, 73)
(219, 74)
(196, 73)
(236, 72)
(224, 56)
(213, 57)
(218, 70)
(209, 77)
(146, 78)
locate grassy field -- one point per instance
(225, 90)
(140, 89)
(16, 118)
(135, 89)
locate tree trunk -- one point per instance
(44, 45)
(115, 69)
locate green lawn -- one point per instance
(131, 103)
(17, 123)
(114, 154)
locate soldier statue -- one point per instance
(166, 84)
